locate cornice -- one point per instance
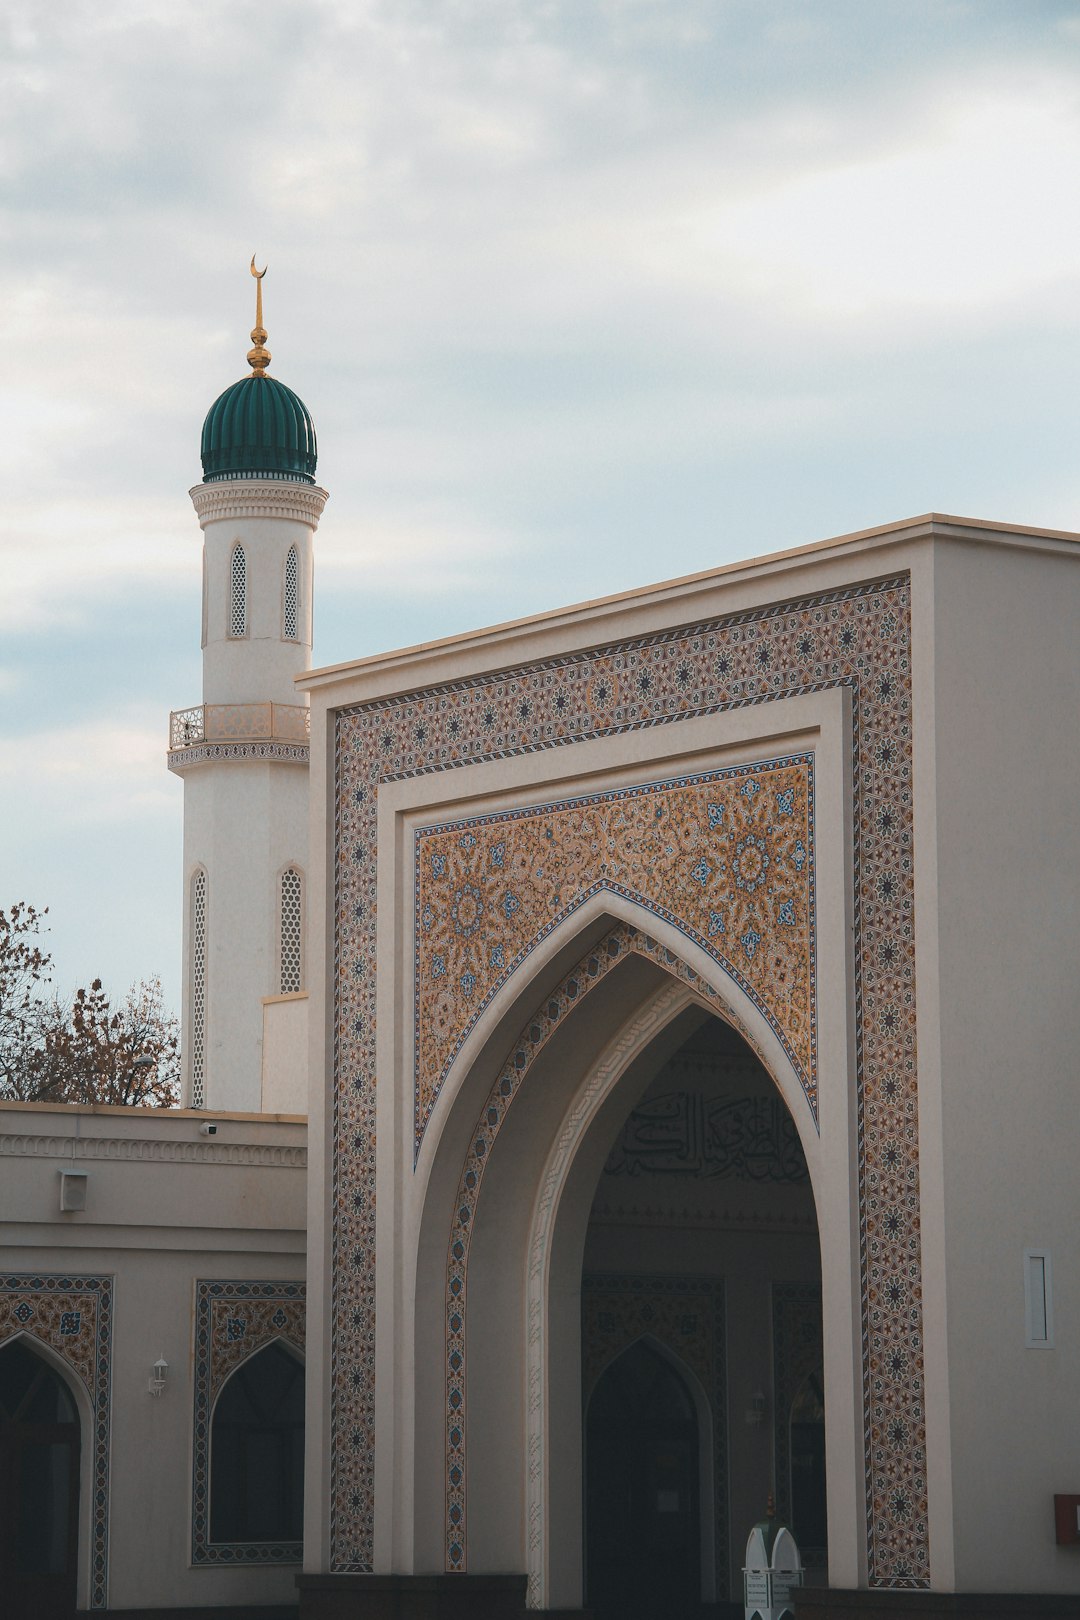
(258, 498)
(251, 753)
(159, 1150)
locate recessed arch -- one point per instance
(92, 1468)
(257, 1450)
(234, 1320)
(665, 989)
(524, 992)
(857, 637)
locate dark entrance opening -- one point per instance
(39, 1487)
(642, 1511)
(257, 1452)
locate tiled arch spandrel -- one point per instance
(725, 855)
(856, 637)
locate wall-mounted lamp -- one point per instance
(159, 1375)
(755, 1408)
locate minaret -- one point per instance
(243, 752)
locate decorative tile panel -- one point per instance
(727, 857)
(233, 1320)
(687, 1315)
(857, 638)
(73, 1316)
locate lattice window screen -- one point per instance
(291, 930)
(198, 990)
(238, 581)
(292, 593)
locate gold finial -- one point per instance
(259, 356)
(770, 1507)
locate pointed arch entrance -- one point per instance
(747, 680)
(536, 1149)
(40, 1444)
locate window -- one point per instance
(198, 989)
(292, 923)
(292, 594)
(238, 593)
(1038, 1300)
(257, 1451)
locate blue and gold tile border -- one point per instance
(858, 639)
(73, 1315)
(233, 1320)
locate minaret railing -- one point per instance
(239, 722)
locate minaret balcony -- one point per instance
(239, 731)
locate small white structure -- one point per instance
(772, 1571)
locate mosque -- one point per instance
(630, 1070)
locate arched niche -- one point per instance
(507, 1386)
(47, 1469)
(257, 1450)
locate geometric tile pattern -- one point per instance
(73, 1316)
(232, 1321)
(565, 999)
(726, 856)
(798, 1352)
(856, 638)
(687, 1315)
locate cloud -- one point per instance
(81, 777)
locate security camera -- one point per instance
(207, 1130)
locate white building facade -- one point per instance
(667, 1009)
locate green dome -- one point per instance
(258, 428)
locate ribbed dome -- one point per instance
(258, 428)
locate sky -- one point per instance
(581, 294)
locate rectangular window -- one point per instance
(1038, 1300)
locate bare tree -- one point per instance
(125, 1056)
(85, 1050)
(24, 975)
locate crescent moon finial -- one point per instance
(259, 356)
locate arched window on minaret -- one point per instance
(238, 592)
(292, 931)
(291, 614)
(198, 988)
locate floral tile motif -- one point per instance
(687, 1315)
(73, 1316)
(798, 1353)
(726, 856)
(232, 1321)
(857, 638)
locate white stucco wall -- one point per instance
(244, 822)
(165, 1206)
(1006, 651)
